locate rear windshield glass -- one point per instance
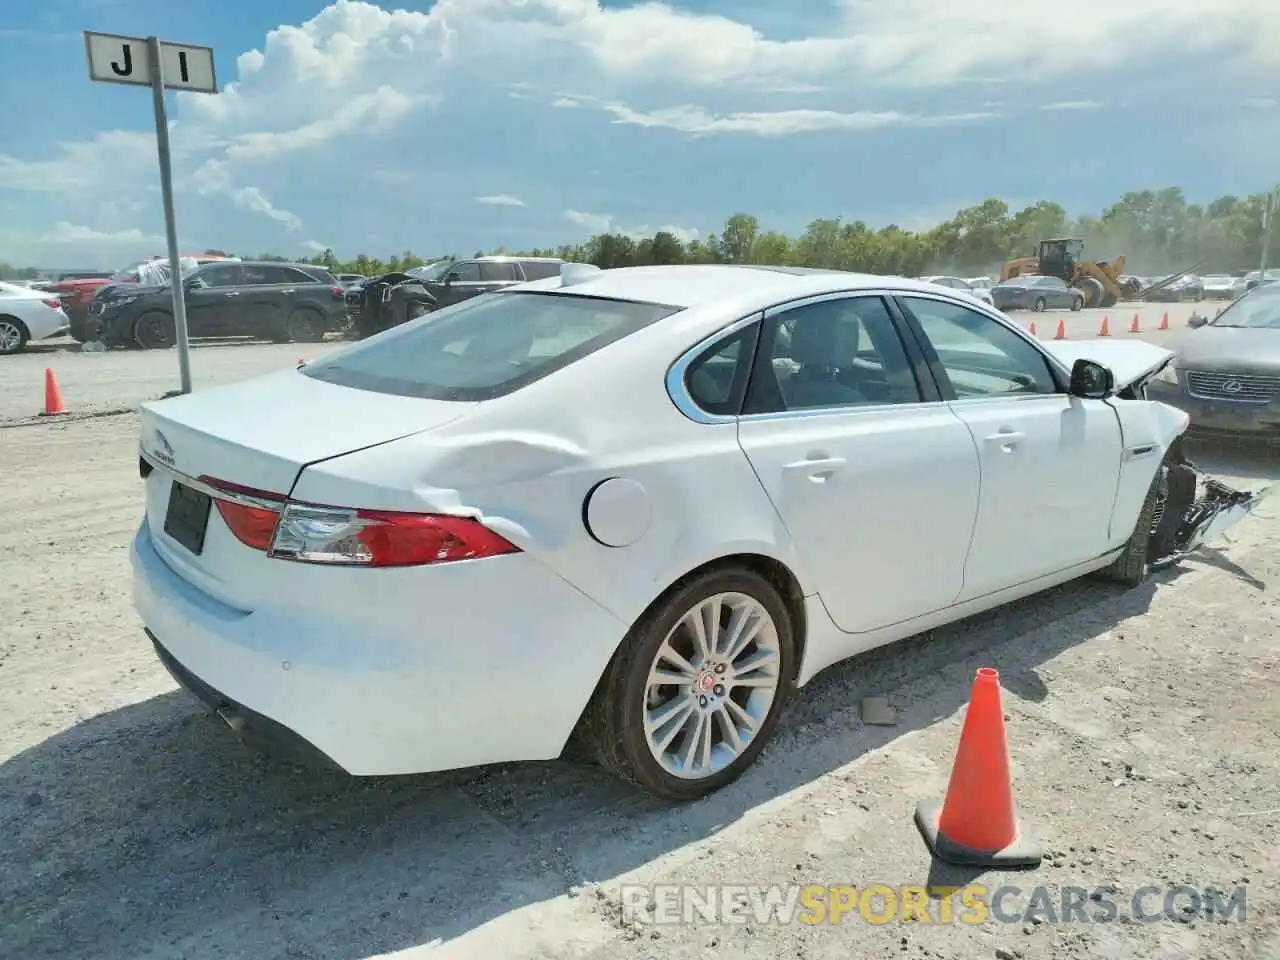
(485, 347)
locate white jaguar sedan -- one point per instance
(635, 509)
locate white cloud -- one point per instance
(315, 246)
(1261, 103)
(70, 234)
(355, 71)
(778, 123)
(500, 200)
(70, 244)
(596, 223)
(1073, 105)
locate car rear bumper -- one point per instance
(1221, 419)
(497, 668)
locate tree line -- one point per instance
(1158, 232)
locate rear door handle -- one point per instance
(819, 468)
(233, 293)
(288, 291)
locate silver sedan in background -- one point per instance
(1036, 293)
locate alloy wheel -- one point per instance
(711, 685)
(10, 336)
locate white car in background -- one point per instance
(27, 315)
(634, 509)
(955, 283)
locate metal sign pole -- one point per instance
(1268, 221)
(170, 225)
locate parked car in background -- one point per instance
(77, 294)
(1226, 373)
(1036, 293)
(1254, 279)
(395, 298)
(27, 315)
(955, 283)
(283, 302)
(1184, 289)
(347, 279)
(1219, 287)
(981, 283)
(640, 507)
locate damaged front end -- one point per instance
(1192, 509)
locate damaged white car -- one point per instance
(634, 510)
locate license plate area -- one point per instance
(187, 517)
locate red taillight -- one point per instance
(53, 303)
(311, 533)
(250, 516)
(338, 293)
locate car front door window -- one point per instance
(980, 356)
(1050, 462)
(836, 432)
(468, 272)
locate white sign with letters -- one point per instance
(118, 59)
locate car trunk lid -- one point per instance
(254, 437)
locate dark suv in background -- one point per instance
(283, 302)
(394, 298)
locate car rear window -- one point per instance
(485, 347)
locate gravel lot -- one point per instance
(1143, 730)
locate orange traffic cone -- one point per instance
(1062, 330)
(1106, 327)
(1136, 326)
(53, 405)
(1032, 329)
(1164, 321)
(976, 824)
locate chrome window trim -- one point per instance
(679, 394)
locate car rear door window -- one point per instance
(261, 276)
(499, 272)
(842, 352)
(486, 347)
(979, 355)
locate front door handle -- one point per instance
(233, 293)
(1007, 440)
(818, 468)
(288, 291)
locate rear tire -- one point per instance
(1132, 566)
(1077, 304)
(305, 326)
(1040, 305)
(13, 336)
(614, 727)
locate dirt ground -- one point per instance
(1143, 732)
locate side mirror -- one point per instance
(1197, 321)
(1091, 380)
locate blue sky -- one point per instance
(470, 124)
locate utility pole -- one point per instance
(1269, 205)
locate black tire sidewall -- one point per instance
(23, 337)
(645, 640)
(147, 318)
(311, 323)
(1040, 305)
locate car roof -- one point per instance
(697, 285)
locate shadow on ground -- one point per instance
(150, 832)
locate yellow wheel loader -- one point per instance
(1062, 257)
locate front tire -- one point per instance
(1040, 305)
(695, 690)
(1132, 566)
(155, 331)
(1077, 304)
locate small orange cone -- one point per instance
(53, 405)
(976, 825)
(1106, 327)
(1032, 329)
(1164, 321)
(1136, 326)
(1062, 330)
